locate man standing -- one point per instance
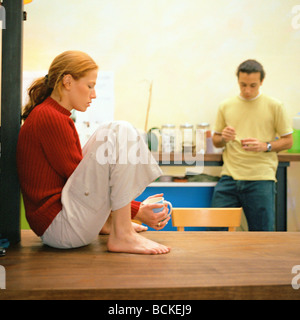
(252, 127)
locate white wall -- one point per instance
(189, 49)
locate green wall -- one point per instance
(24, 223)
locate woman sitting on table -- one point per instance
(71, 194)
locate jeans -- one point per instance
(257, 198)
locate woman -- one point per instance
(69, 193)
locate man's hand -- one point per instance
(252, 144)
(228, 134)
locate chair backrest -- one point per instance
(206, 217)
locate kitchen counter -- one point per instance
(214, 157)
(201, 265)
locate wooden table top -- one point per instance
(201, 265)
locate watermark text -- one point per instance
(124, 146)
(2, 278)
(2, 17)
(296, 279)
(296, 17)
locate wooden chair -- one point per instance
(206, 217)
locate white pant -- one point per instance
(116, 168)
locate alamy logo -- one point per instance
(2, 278)
(125, 146)
(3, 16)
(296, 18)
(296, 278)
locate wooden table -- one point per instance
(215, 159)
(201, 265)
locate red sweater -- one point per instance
(48, 152)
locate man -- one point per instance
(252, 127)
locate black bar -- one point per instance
(11, 99)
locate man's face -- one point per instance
(249, 84)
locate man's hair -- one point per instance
(251, 66)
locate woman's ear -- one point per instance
(67, 81)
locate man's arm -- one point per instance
(252, 144)
(220, 139)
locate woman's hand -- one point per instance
(155, 220)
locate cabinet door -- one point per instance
(180, 197)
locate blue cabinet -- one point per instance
(181, 195)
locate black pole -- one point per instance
(11, 100)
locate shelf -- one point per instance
(183, 184)
(212, 157)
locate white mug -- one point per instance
(159, 200)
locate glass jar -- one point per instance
(187, 136)
(168, 138)
(200, 137)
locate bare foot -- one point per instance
(107, 227)
(124, 238)
(138, 227)
(135, 243)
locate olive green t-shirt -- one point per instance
(263, 118)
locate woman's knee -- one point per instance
(116, 130)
